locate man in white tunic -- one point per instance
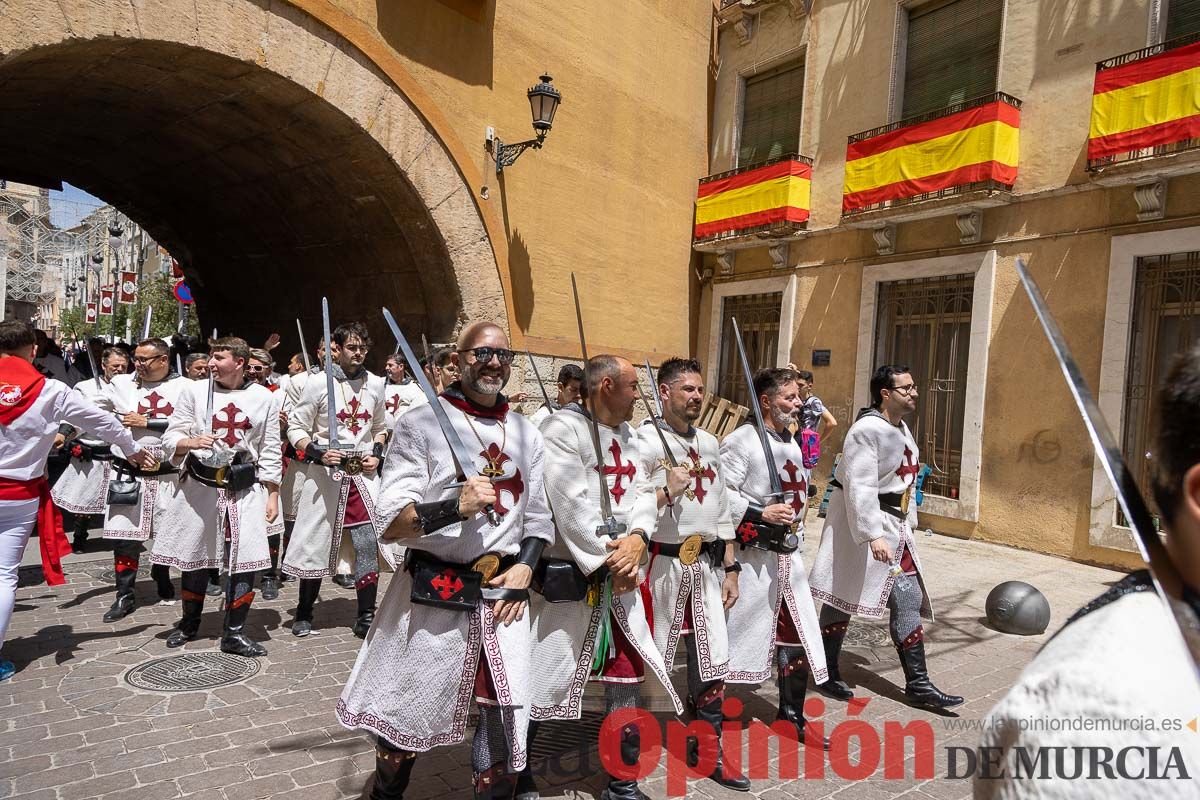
(603, 635)
(82, 488)
(143, 402)
(569, 389)
(31, 408)
(452, 625)
(693, 574)
(774, 619)
(232, 463)
(867, 562)
(402, 393)
(335, 512)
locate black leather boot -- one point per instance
(708, 709)
(367, 590)
(79, 536)
(213, 589)
(793, 685)
(631, 749)
(919, 690)
(309, 589)
(193, 606)
(161, 574)
(832, 637)
(393, 768)
(270, 578)
(237, 608)
(125, 564)
(526, 786)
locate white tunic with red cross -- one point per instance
(328, 500)
(687, 599)
(154, 400)
(417, 671)
(566, 633)
(83, 486)
(194, 518)
(775, 605)
(877, 458)
(400, 398)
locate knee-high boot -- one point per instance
(631, 750)
(125, 564)
(161, 575)
(708, 709)
(917, 687)
(793, 685)
(367, 589)
(832, 637)
(193, 584)
(79, 536)
(237, 608)
(270, 578)
(309, 589)
(393, 768)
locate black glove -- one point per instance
(313, 452)
(438, 514)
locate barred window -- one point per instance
(1183, 18)
(771, 114)
(758, 319)
(952, 54)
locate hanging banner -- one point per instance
(91, 314)
(128, 289)
(753, 199)
(106, 302)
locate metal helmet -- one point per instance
(1016, 607)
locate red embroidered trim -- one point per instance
(913, 638)
(367, 580)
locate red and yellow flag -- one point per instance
(970, 146)
(765, 195)
(1149, 102)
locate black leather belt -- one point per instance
(235, 476)
(888, 502)
(82, 451)
(481, 570)
(715, 550)
(127, 468)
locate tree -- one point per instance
(156, 291)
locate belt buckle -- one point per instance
(904, 500)
(353, 464)
(487, 565)
(221, 476)
(689, 551)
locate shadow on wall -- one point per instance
(453, 37)
(521, 275)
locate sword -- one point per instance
(208, 414)
(303, 347)
(178, 363)
(541, 386)
(466, 463)
(608, 524)
(87, 345)
(330, 393)
(654, 388)
(772, 472)
(656, 417)
(146, 323)
(1167, 581)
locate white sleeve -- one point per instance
(645, 509)
(737, 467)
(566, 486)
(77, 410)
(860, 484)
(539, 523)
(270, 457)
(405, 473)
(302, 420)
(726, 525)
(181, 424)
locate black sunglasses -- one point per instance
(484, 354)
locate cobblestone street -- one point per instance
(73, 726)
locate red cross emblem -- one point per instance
(798, 488)
(699, 470)
(627, 470)
(908, 467)
(353, 421)
(494, 469)
(232, 426)
(447, 584)
(153, 405)
(392, 404)
(746, 531)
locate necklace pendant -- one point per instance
(491, 470)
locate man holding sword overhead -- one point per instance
(453, 626)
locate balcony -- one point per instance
(964, 153)
(768, 200)
(1146, 106)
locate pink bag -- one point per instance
(810, 447)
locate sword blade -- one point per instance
(537, 376)
(466, 463)
(772, 472)
(654, 387)
(654, 418)
(146, 323)
(208, 408)
(179, 364)
(605, 500)
(87, 345)
(303, 347)
(330, 387)
(1129, 497)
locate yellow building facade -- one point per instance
(907, 244)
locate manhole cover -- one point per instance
(556, 737)
(110, 575)
(191, 671)
(867, 636)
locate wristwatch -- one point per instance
(667, 494)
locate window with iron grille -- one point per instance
(952, 53)
(1183, 19)
(925, 324)
(771, 114)
(1165, 321)
(758, 318)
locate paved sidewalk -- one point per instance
(72, 727)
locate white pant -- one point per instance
(17, 518)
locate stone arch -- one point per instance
(273, 154)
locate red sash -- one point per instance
(20, 385)
(51, 537)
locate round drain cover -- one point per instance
(110, 575)
(867, 636)
(191, 672)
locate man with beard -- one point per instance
(604, 634)
(83, 486)
(570, 384)
(144, 403)
(773, 576)
(232, 467)
(453, 625)
(868, 561)
(693, 575)
(403, 393)
(335, 509)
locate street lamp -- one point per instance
(543, 102)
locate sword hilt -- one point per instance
(492, 516)
(611, 528)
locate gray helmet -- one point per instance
(1016, 607)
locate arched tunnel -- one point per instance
(267, 194)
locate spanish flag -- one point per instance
(765, 195)
(970, 146)
(1153, 101)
